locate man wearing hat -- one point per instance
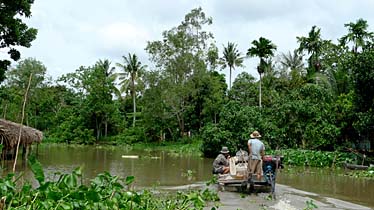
(256, 153)
(221, 164)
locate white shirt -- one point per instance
(256, 146)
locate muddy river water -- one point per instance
(158, 168)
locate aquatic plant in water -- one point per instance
(104, 192)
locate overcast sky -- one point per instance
(73, 33)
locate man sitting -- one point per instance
(221, 164)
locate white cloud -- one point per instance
(122, 37)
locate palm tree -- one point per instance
(264, 49)
(231, 58)
(106, 76)
(132, 69)
(293, 67)
(357, 33)
(293, 62)
(313, 45)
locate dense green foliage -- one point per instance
(323, 104)
(314, 158)
(14, 32)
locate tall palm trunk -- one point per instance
(264, 49)
(106, 126)
(133, 102)
(132, 68)
(230, 79)
(260, 91)
(231, 58)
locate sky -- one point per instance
(74, 33)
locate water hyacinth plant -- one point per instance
(104, 192)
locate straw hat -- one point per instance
(255, 134)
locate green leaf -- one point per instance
(53, 195)
(78, 171)
(71, 180)
(129, 179)
(66, 206)
(93, 196)
(37, 169)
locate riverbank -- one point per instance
(154, 169)
(189, 148)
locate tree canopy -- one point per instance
(325, 103)
(13, 31)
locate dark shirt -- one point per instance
(220, 161)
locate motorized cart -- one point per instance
(240, 180)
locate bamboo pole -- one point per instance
(20, 128)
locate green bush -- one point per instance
(213, 140)
(362, 174)
(313, 158)
(130, 136)
(72, 130)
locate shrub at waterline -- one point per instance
(323, 159)
(363, 174)
(313, 158)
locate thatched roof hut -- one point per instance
(9, 132)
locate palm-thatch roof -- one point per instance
(9, 132)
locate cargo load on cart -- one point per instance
(240, 179)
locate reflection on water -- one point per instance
(159, 168)
(150, 169)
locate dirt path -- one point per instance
(287, 198)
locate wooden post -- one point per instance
(20, 128)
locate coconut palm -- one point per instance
(132, 69)
(357, 34)
(293, 67)
(313, 44)
(293, 62)
(264, 49)
(231, 58)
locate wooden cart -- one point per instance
(241, 181)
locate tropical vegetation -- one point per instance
(13, 31)
(316, 97)
(311, 105)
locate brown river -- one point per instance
(163, 169)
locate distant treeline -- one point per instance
(318, 96)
